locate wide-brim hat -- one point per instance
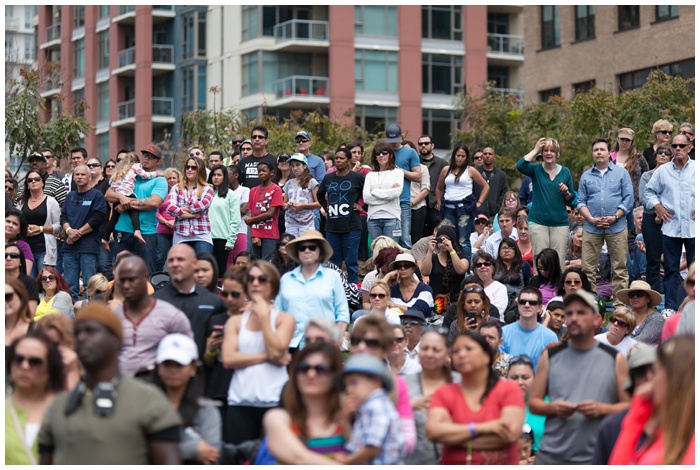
(404, 257)
(310, 235)
(624, 294)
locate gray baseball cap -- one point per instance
(369, 365)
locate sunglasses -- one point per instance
(36, 179)
(522, 359)
(196, 154)
(262, 279)
(321, 369)
(9, 296)
(478, 158)
(399, 340)
(480, 221)
(636, 293)
(302, 141)
(370, 343)
(94, 165)
(231, 293)
(664, 152)
(12, 255)
(511, 199)
(236, 142)
(572, 282)
(191, 167)
(9, 188)
(257, 137)
(404, 266)
(678, 146)
(476, 289)
(483, 264)
(665, 132)
(423, 144)
(528, 301)
(119, 160)
(411, 322)
(377, 296)
(110, 166)
(50, 277)
(149, 156)
(568, 211)
(283, 243)
(618, 322)
(33, 361)
(542, 268)
(686, 133)
(383, 152)
(310, 248)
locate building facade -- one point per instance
(20, 39)
(372, 70)
(572, 48)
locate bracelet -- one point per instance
(472, 429)
(67, 230)
(453, 252)
(41, 229)
(210, 353)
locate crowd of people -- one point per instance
(304, 309)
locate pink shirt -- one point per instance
(125, 186)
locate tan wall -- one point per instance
(606, 56)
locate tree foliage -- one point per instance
(500, 121)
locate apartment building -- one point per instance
(20, 38)
(572, 48)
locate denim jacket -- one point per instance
(604, 194)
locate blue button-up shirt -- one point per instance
(321, 295)
(675, 190)
(603, 194)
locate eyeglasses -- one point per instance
(664, 152)
(383, 152)
(511, 199)
(196, 154)
(50, 277)
(665, 132)
(423, 144)
(149, 156)
(507, 247)
(33, 361)
(636, 293)
(262, 279)
(12, 255)
(302, 141)
(94, 165)
(231, 293)
(678, 146)
(377, 296)
(618, 322)
(404, 266)
(411, 322)
(370, 343)
(9, 296)
(311, 248)
(321, 369)
(34, 180)
(686, 133)
(257, 137)
(532, 302)
(572, 282)
(484, 264)
(191, 167)
(477, 289)
(399, 340)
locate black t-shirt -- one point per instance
(30, 285)
(453, 282)
(249, 169)
(218, 378)
(36, 216)
(338, 196)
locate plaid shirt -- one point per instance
(177, 199)
(377, 424)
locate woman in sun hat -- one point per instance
(407, 291)
(650, 322)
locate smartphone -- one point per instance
(218, 330)
(471, 316)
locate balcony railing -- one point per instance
(163, 53)
(301, 30)
(506, 44)
(163, 107)
(124, 9)
(126, 57)
(301, 85)
(126, 109)
(53, 32)
(511, 91)
(11, 23)
(164, 7)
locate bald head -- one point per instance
(132, 278)
(182, 261)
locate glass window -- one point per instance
(103, 50)
(275, 15)
(442, 22)
(9, 10)
(29, 12)
(202, 87)
(374, 119)
(500, 76)
(78, 102)
(551, 31)
(188, 89)
(376, 70)
(103, 101)
(30, 47)
(202, 34)
(439, 124)
(188, 36)
(442, 74)
(376, 20)
(635, 79)
(102, 11)
(583, 87)
(585, 22)
(79, 58)
(251, 22)
(78, 16)
(249, 74)
(103, 146)
(666, 12)
(545, 95)
(627, 17)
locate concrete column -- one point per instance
(90, 70)
(475, 61)
(144, 75)
(341, 61)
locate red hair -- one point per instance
(61, 284)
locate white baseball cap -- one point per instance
(177, 347)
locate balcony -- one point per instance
(163, 111)
(126, 62)
(163, 58)
(301, 36)
(11, 23)
(505, 48)
(162, 13)
(51, 85)
(53, 37)
(125, 14)
(298, 90)
(126, 114)
(520, 94)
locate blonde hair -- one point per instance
(169, 171)
(382, 242)
(97, 283)
(660, 125)
(124, 166)
(550, 143)
(627, 315)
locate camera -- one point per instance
(441, 239)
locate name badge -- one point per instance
(87, 203)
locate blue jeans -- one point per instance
(637, 266)
(345, 248)
(38, 264)
(406, 225)
(464, 223)
(59, 257)
(200, 247)
(266, 250)
(105, 261)
(73, 265)
(653, 242)
(317, 219)
(673, 288)
(126, 241)
(388, 227)
(163, 244)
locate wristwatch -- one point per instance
(617, 218)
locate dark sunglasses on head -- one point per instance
(371, 343)
(320, 369)
(476, 289)
(231, 293)
(36, 179)
(528, 301)
(377, 296)
(49, 277)
(522, 359)
(618, 322)
(311, 248)
(679, 146)
(12, 255)
(666, 132)
(262, 279)
(33, 361)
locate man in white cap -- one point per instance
(406, 159)
(317, 167)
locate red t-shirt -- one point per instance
(504, 393)
(260, 200)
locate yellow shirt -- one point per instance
(44, 308)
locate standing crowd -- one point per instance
(349, 309)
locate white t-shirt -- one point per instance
(498, 296)
(624, 346)
(242, 194)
